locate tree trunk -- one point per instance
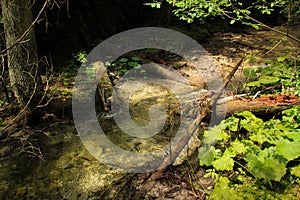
(22, 54)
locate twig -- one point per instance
(256, 94)
(261, 24)
(273, 29)
(274, 47)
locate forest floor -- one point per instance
(60, 167)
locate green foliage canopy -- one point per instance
(236, 10)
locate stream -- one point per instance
(67, 170)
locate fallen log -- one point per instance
(265, 107)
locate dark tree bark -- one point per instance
(22, 52)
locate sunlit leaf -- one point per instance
(281, 58)
(294, 135)
(267, 71)
(267, 168)
(253, 83)
(237, 147)
(213, 134)
(296, 171)
(222, 190)
(268, 79)
(232, 123)
(206, 155)
(287, 149)
(123, 60)
(224, 163)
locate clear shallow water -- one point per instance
(67, 170)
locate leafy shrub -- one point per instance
(236, 11)
(123, 64)
(281, 76)
(251, 150)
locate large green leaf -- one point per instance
(268, 79)
(251, 122)
(294, 135)
(206, 155)
(214, 134)
(224, 163)
(265, 165)
(287, 149)
(268, 169)
(236, 148)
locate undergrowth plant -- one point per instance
(251, 158)
(281, 76)
(123, 64)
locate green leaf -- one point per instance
(237, 147)
(266, 134)
(268, 79)
(255, 26)
(131, 64)
(250, 73)
(253, 84)
(123, 60)
(266, 168)
(206, 155)
(296, 171)
(224, 163)
(154, 5)
(258, 137)
(232, 123)
(213, 134)
(292, 117)
(134, 58)
(251, 122)
(246, 114)
(287, 149)
(222, 190)
(281, 58)
(268, 71)
(232, 21)
(294, 135)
